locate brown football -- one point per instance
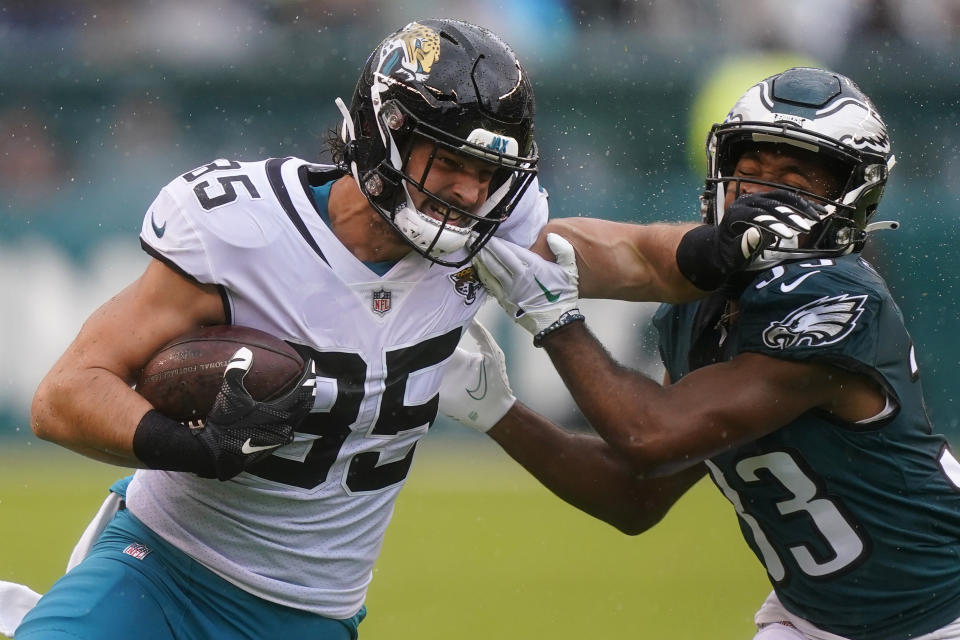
(183, 378)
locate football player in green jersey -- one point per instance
(794, 385)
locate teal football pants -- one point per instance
(135, 585)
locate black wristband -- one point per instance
(163, 443)
(566, 318)
(696, 258)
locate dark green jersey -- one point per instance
(858, 525)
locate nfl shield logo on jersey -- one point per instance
(381, 301)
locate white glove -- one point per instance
(475, 390)
(538, 294)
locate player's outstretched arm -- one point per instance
(661, 430)
(85, 402)
(664, 429)
(621, 261)
(589, 474)
(678, 262)
(583, 470)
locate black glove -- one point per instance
(240, 431)
(709, 254)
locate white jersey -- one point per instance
(305, 529)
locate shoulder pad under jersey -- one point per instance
(527, 218)
(822, 308)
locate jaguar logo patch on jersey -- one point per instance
(381, 301)
(824, 321)
(466, 283)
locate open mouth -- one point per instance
(441, 213)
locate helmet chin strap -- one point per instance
(424, 231)
(450, 239)
(417, 227)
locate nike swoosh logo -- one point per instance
(242, 359)
(248, 448)
(551, 296)
(158, 230)
(479, 392)
(787, 287)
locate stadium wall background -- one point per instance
(86, 145)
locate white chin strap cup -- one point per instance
(422, 229)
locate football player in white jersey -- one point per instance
(266, 521)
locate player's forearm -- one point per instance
(651, 273)
(585, 471)
(622, 405)
(622, 261)
(90, 411)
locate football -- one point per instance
(183, 378)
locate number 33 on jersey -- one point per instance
(840, 514)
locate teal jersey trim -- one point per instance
(858, 526)
(321, 196)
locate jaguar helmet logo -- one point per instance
(412, 54)
(821, 322)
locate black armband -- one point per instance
(568, 317)
(696, 258)
(163, 443)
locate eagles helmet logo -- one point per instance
(466, 283)
(837, 117)
(821, 322)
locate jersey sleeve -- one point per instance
(206, 222)
(828, 313)
(528, 217)
(170, 235)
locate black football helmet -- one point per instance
(820, 112)
(460, 88)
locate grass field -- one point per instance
(476, 550)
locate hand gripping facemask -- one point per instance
(822, 113)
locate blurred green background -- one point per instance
(104, 102)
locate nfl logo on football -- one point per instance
(381, 301)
